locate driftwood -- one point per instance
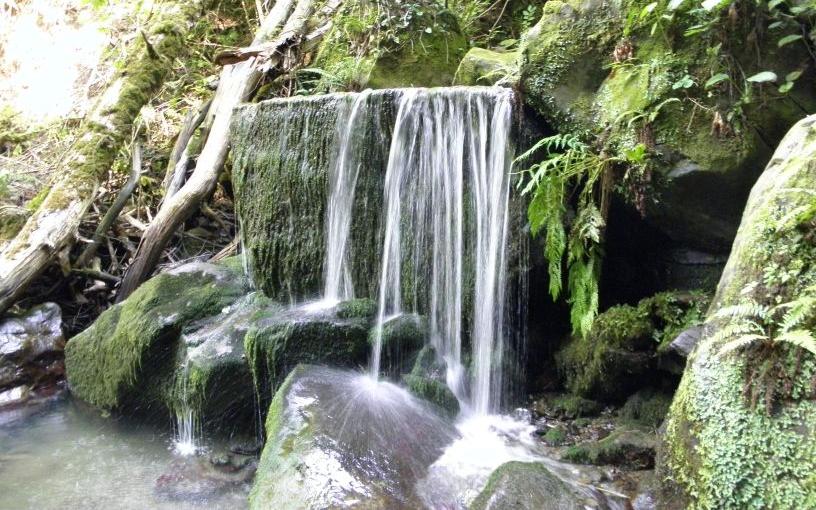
(113, 211)
(53, 227)
(284, 24)
(180, 156)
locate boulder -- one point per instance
(622, 347)
(402, 337)
(741, 431)
(486, 67)
(338, 439)
(529, 486)
(30, 342)
(279, 342)
(627, 448)
(588, 67)
(128, 357)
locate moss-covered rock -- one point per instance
(629, 448)
(646, 408)
(721, 449)
(212, 378)
(335, 437)
(402, 337)
(566, 406)
(486, 67)
(623, 343)
(527, 486)
(277, 343)
(419, 45)
(361, 308)
(434, 391)
(623, 73)
(127, 357)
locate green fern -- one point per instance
(568, 165)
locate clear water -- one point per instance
(69, 457)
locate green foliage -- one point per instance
(568, 165)
(750, 322)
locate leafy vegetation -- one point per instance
(569, 164)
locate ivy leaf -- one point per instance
(675, 4)
(785, 87)
(763, 77)
(793, 75)
(789, 39)
(717, 78)
(711, 4)
(685, 82)
(773, 3)
(775, 25)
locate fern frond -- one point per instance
(738, 343)
(800, 338)
(744, 310)
(736, 329)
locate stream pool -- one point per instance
(67, 456)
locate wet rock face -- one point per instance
(31, 345)
(529, 486)
(338, 439)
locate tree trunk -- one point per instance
(284, 24)
(54, 225)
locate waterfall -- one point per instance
(435, 226)
(187, 426)
(342, 185)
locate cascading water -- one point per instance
(342, 186)
(187, 427)
(435, 225)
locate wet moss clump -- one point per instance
(127, 357)
(646, 408)
(435, 392)
(630, 448)
(623, 343)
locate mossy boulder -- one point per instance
(528, 486)
(618, 72)
(485, 67)
(127, 357)
(723, 449)
(622, 346)
(434, 391)
(402, 337)
(628, 448)
(212, 378)
(646, 408)
(277, 343)
(338, 436)
(566, 406)
(360, 308)
(420, 46)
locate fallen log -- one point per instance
(53, 227)
(236, 84)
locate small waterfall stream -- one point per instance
(446, 208)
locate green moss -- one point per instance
(436, 392)
(720, 451)
(556, 436)
(127, 356)
(486, 67)
(567, 406)
(627, 447)
(623, 342)
(361, 308)
(646, 408)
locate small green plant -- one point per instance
(750, 322)
(569, 164)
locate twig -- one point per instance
(115, 208)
